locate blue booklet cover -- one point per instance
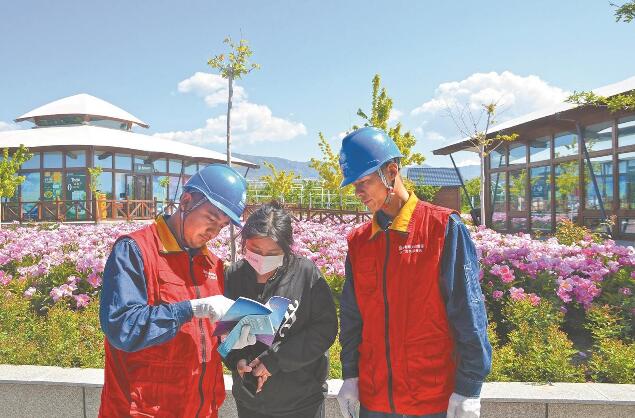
(264, 321)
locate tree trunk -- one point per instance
(482, 191)
(232, 242)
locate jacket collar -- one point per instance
(401, 221)
(167, 240)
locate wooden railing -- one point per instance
(106, 209)
(303, 213)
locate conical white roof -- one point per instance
(82, 104)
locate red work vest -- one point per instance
(182, 377)
(406, 362)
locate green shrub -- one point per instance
(537, 350)
(63, 337)
(612, 360)
(569, 233)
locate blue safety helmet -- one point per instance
(224, 187)
(365, 151)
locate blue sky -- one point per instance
(317, 58)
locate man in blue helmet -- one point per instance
(413, 323)
(162, 292)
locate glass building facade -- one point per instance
(62, 176)
(539, 180)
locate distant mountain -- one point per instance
(470, 171)
(302, 168)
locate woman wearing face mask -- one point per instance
(287, 379)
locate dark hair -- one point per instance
(270, 220)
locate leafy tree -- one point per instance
(426, 192)
(233, 66)
(615, 103)
(626, 101)
(279, 183)
(9, 166)
(328, 166)
(472, 186)
(94, 173)
(379, 115)
(625, 12)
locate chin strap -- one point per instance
(390, 187)
(183, 214)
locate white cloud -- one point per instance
(251, 122)
(469, 161)
(433, 136)
(212, 87)
(394, 116)
(515, 94)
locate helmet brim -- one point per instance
(235, 219)
(351, 179)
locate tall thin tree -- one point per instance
(232, 66)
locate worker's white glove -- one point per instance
(348, 397)
(212, 307)
(463, 407)
(245, 338)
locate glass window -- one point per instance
(159, 191)
(160, 165)
(595, 224)
(626, 131)
(75, 159)
(142, 164)
(30, 192)
(175, 189)
(121, 191)
(52, 185)
(518, 190)
(603, 170)
(175, 166)
(123, 162)
(565, 144)
(499, 214)
(599, 136)
(518, 224)
(540, 149)
(626, 225)
(102, 159)
(517, 153)
(52, 160)
(33, 162)
(105, 185)
(567, 183)
(76, 186)
(627, 180)
(540, 178)
(498, 157)
(190, 169)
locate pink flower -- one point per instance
(497, 294)
(94, 280)
(517, 293)
(5, 278)
(56, 294)
(625, 291)
(28, 293)
(82, 300)
(534, 299)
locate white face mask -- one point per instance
(263, 264)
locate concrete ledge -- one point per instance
(38, 391)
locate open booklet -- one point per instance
(264, 321)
